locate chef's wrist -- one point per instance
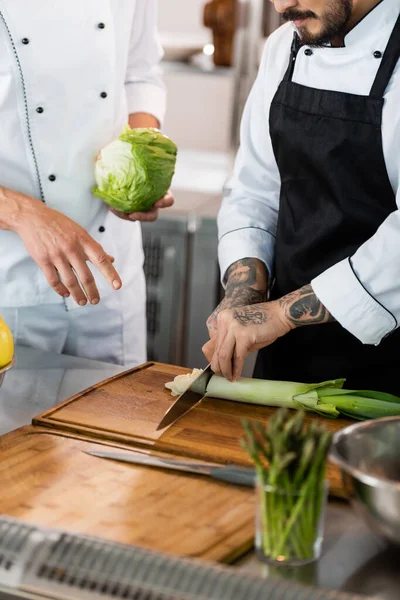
(303, 307)
(143, 120)
(15, 209)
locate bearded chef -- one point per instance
(71, 75)
(312, 220)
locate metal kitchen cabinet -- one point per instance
(183, 288)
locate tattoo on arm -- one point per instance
(302, 307)
(243, 282)
(246, 284)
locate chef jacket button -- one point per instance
(52, 177)
(101, 26)
(102, 229)
(25, 41)
(308, 52)
(103, 94)
(40, 109)
(378, 54)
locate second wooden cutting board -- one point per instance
(49, 480)
(127, 409)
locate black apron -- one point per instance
(335, 193)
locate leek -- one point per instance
(182, 382)
(328, 398)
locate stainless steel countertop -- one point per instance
(40, 380)
(353, 559)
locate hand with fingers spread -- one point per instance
(150, 215)
(61, 248)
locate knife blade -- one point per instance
(188, 399)
(243, 476)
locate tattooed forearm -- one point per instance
(247, 280)
(242, 272)
(244, 296)
(302, 307)
(251, 315)
(246, 284)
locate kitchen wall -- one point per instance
(182, 16)
(199, 101)
(199, 114)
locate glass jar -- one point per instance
(290, 523)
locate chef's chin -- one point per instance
(313, 36)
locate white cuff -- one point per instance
(249, 242)
(146, 97)
(341, 292)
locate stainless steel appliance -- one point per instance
(183, 288)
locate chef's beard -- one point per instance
(333, 22)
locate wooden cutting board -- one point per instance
(127, 408)
(48, 480)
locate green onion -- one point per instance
(327, 398)
(290, 460)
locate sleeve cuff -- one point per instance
(146, 97)
(342, 293)
(249, 242)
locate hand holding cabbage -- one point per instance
(135, 171)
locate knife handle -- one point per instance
(236, 475)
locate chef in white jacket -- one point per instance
(71, 75)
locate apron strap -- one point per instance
(388, 64)
(294, 50)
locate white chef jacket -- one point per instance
(363, 291)
(70, 74)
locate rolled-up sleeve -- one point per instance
(248, 216)
(363, 291)
(145, 89)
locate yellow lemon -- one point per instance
(6, 344)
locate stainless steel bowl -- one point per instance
(368, 455)
(4, 370)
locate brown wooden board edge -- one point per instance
(130, 442)
(108, 443)
(27, 430)
(41, 430)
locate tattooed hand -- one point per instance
(246, 284)
(247, 329)
(241, 331)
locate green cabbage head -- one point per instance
(136, 170)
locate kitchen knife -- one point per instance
(188, 399)
(244, 476)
